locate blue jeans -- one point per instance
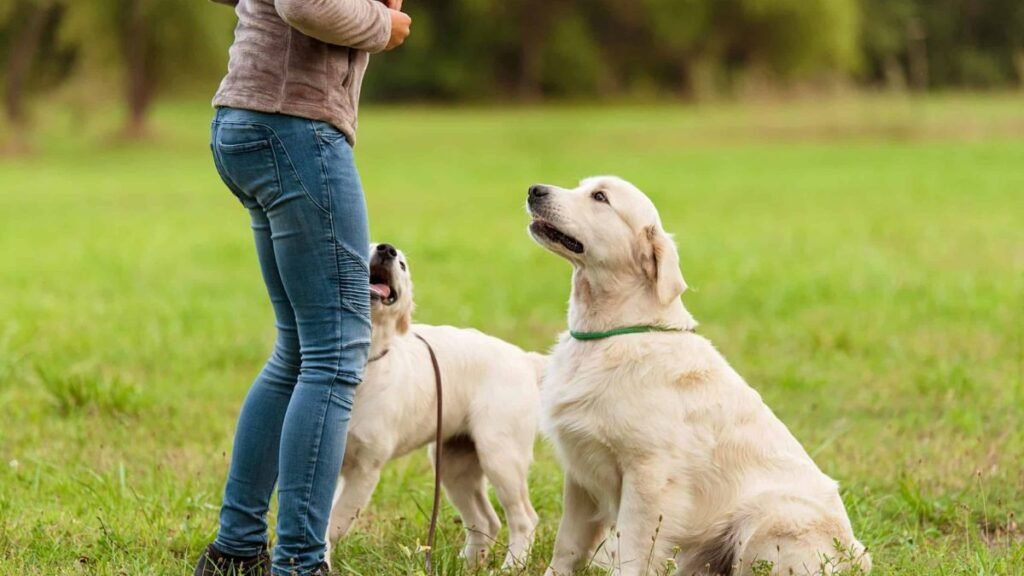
(297, 177)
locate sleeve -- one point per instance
(359, 24)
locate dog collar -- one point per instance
(624, 330)
(379, 356)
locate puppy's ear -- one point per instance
(660, 263)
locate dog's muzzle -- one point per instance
(382, 284)
(541, 228)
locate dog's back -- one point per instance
(475, 352)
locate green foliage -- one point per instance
(497, 50)
(573, 62)
(972, 43)
(885, 30)
(801, 36)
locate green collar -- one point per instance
(624, 330)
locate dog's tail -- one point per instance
(540, 365)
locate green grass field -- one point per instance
(860, 262)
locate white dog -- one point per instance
(491, 404)
(658, 435)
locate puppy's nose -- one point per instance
(538, 191)
(386, 251)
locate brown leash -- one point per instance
(428, 556)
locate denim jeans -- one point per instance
(297, 178)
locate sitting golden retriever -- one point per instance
(657, 434)
(491, 404)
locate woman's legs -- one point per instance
(299, 181)
(327, 279)
(253, 471)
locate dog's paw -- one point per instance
(514, 564)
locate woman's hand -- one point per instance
(400, 24)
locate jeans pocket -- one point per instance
(328, 133)
(235, 190)
(246, 161)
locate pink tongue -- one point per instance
(382, 290)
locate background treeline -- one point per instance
(89, 51)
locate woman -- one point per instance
(281, 140)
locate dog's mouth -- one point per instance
(543, 229)
(382, 289)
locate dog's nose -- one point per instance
(386, 251)
(538, 191)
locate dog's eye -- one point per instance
(402, 264)
(599, 196)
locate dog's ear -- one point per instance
(660, 263)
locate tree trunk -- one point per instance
(1018, 62)
(533, 27)
(23, 50)
(917, 55)
(895, 78)
(138, 76)
(701, 83)
(535, 18)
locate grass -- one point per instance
(860, 261)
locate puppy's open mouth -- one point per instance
(381, 288)
(546, 230)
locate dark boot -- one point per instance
(323, 570)
(213, 562)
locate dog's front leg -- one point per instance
(358, 481)
(579, 532)
(646, 509)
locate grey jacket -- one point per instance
(303, 57)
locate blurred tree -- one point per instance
(937, 43)
(795, 38)
(24, 43)
(147, 45)
(26, 25)
(884, 39)
(500, 50)
(572, 62)
(685, 40)
(490, 48)
(695, 46)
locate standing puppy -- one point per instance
(491, 403)
(658, 435)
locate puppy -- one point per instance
(491, 404)
(657, 434)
